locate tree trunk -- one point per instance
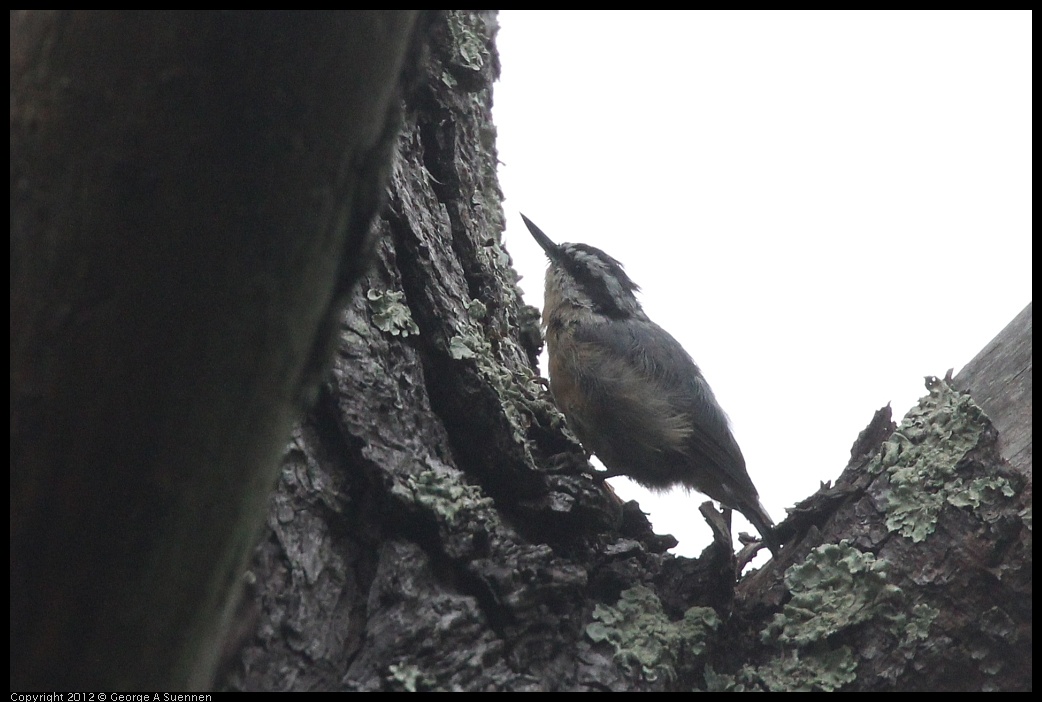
(433, 527)
(190, 198)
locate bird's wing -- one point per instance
(641, 352)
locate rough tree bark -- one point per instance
(433, 529)
(190, 199)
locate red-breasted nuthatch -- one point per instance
(630, 391)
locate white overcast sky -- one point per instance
(822, 207)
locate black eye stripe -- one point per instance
(601, 276)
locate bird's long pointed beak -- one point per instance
(542, 239)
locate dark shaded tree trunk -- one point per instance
(433, 528)
(190, 199)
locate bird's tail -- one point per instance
(756, 514)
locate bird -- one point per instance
(630, 392)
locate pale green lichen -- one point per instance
(820, 668)
(515, 389)
(444, 493)
(836, 588)
(469, 47)
(390, 314)
(921, 460)
(478, 310)
(980, 491)
(469, 346)
(824, 671)
(502, 259)
(645, 641)
(917, 625)
(404, 677)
